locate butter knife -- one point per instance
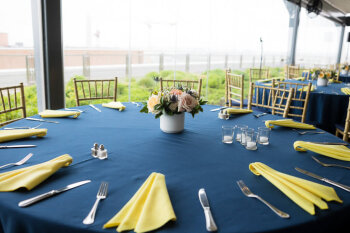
(210, 224)
(342, 186)
(51, 193)
(36, 119)
(217, 109)
(16, 146)
(332, 143)
(94, 107)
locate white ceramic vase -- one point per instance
(322, 82)
(345, 72)
(172, 124)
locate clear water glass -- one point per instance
(227, 134)
(264, 135)
(238, 132)
(250, 139)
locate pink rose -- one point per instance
(187, 102)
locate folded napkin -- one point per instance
(299, 79)
(334, 151)
(29, 177)
(303, 192)
(237, 111)
(306, 87)
(345, 90)
(288, 123)
(13, 134)
(149, 209)
(59, 113)
(334, 81)
(115, 105)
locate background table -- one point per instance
(327, 105)
(344, 78)
(191, 160)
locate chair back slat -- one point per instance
(11, 104)
(96, 91)
(257, 74)
(167, 84)
(234, 88)
(347, 125)
(293, 72)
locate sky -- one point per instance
(203, 26)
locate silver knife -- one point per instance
(346, 188)
(16, 146)
(332, 143)
(51, 193)
(36, 119)
(211, 226)
(94, 107)
(217, 109)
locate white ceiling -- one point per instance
(342, 5)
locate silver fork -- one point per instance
(137, 104)
(22, 161)
(101, 194)
(23, 127)
(328, 164)
(310, 132)
(246, 191)
(260, 115)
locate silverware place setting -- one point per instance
(342, 186)
(332, 143)
(22, 161)
(101, 194)
(42, 120)
(94, 107)
(16, 146)
(22, 127)
(329, 164)
(209, 220)
(260, 115)
(308, 132)
(73, 109)
(51, 193)
(218, 109)
(137, 104)
(246, 191)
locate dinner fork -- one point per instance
(22, 161)
(329, 164)
(310, 132)
(260, 115)
(101, 194)
(22, 127)
(246, 191)
(137, 104)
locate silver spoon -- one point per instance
(328, 164)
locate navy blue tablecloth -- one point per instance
(190, 160)
(344, 78)
(327, 105)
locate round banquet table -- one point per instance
(327, 105)
(193, 159)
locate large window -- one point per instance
(318, 41)
(16, 49)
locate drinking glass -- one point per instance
(238, 131)
(227, 134)
(264, 135)
(250, 139)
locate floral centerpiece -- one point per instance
(322, 76)
(170, 106)
(345, 69)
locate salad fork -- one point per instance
(23, 127)
(101, 194)
(310, 132)
(329, 164)
(22, 161)
(246, 191)
(260, 115)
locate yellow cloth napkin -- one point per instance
(303, 192)
(334, 81)
(299, 79)
(149, 209)
(305, 88)
(334, 151)
(59, 113)
(237, 111)
(345, 90)
(115, 105)
(13, 134)
(288, 123)
(29, 177)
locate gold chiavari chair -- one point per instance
(234, 88)
(257, 74)
(300, 98)
(306, 73)
(87, 90)
(189, 84)
(12, 102)
(265, 97)
(344, 131)
(293, 72)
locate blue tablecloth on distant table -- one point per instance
(327, 105)
(344, 78)
(190, 160)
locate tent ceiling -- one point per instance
(341, 5)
